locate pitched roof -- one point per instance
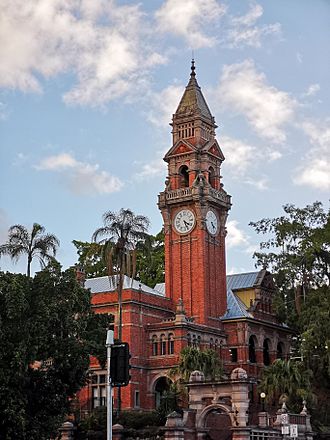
(109, 284)
(235, 308)
(193, 99)
(239, 281)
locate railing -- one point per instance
(177, 193)
(220, 195)
(260, 434)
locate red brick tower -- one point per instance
(194, 207)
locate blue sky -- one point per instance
(88, 88)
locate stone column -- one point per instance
(67, 431)
(117, 431)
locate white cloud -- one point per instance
(243, 160)
(154, 168)
(163, 105)
(81, 177)
(239, 155)
(235, 235)
(245, 91)
(245, 32)
(102, 44)
(312, 89)
(315, 168)
(193, 20)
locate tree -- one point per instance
(298, 254)
(120, 236)
(191, 359)
(34, 244)
(150, 265)
(289, 378)
(47, 332)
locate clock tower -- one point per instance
(194, 207)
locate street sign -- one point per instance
(293, 431)
(285, 430)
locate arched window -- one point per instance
(266, 352)
(162, 344)
(199, 341)
(171, 343)
(212, 177)
(194, 341)
(189, 339)
(211, 343)
(252, 350)
(184, 176)
(154, 345)
(280, 351)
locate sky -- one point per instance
(88, 89)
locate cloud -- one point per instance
(244, 32)
(314, 170)
(243, 160)
(245, 91)
(235, 235)
(193, 20)
(163, 105)
(82, 178)
(312, 89)
(103, 45)
(239, 155)
(155, 168)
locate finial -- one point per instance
(193, 67)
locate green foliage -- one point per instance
(47, 331)
(138, 419)
(91, 258)
(287, 377)
(298, 254)
(149, 265)
(151, 260)
(192, 359)
(34, 244)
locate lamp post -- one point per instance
(262, 397)
(109, 343)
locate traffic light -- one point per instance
(119, 365)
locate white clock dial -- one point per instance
(211, 222)
(184, 221)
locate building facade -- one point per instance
(198, 305)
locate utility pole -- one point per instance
(109, 343)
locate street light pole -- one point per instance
(263, 396)
(109, 343)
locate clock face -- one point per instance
(184, 221)
(211, 222)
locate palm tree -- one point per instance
(120, 236)
(289, 378)
(34, 244)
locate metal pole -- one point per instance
(108, 344)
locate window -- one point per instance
(212, 177)
(252, 350)
(189, 339)
(162, 345)
(211, 343)
(194, 341)
(233, 354)
(154, 345)
(199, 341)
(98, 384)
(266, 352)
(171, 343)
(280, 351)
(136, 399)
(184, 176)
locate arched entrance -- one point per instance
(162, 385)
(218, 423)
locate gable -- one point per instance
(212, 147)
(179, 148)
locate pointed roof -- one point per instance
(193, 100)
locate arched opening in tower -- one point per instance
(184, 176)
